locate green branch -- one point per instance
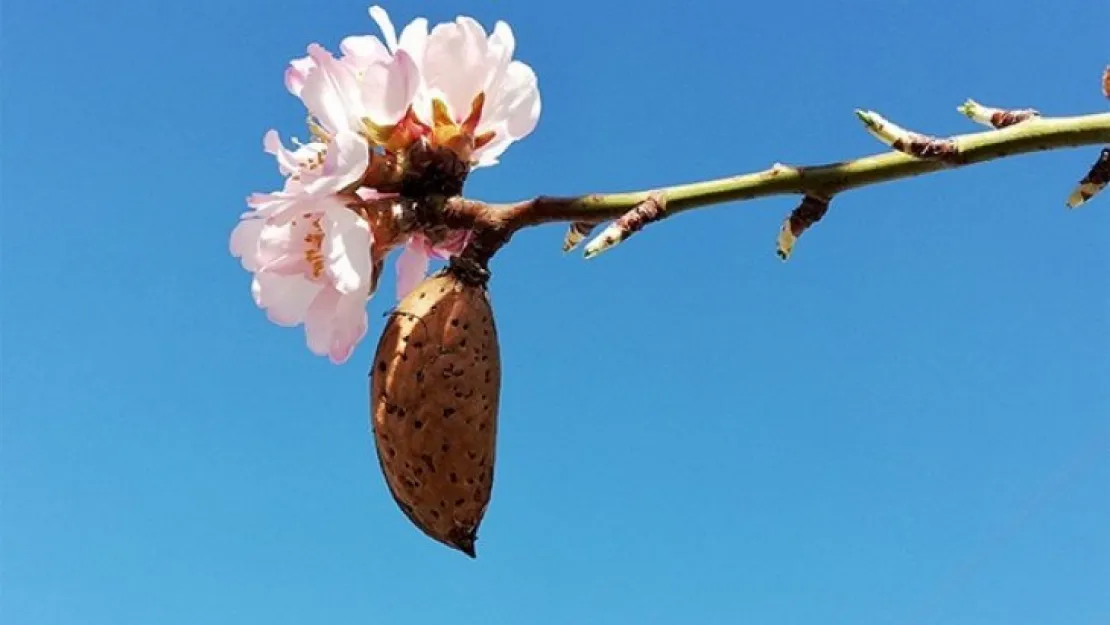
(633, 210)
(1036, 135)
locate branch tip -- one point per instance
(995, 117)
(907, 142)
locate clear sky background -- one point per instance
(907, 423)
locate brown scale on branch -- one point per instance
(995, 117)
(1003, 119)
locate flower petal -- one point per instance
(244, 242)
(363, 50)
(286, 299)
(367, 194)
(290, 161)
(412, 265)
(334, 324)
(388, 88)
(331, 92)
(379, 15)
(414, 39)
(455, 63)
(348, 156)
(515, 101)
(524, 114)
(295, 74)
(347, 251)
(319, 321)
(500, 52)
(451, 245)
(488, 155)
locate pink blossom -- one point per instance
(360, 51)
(463, 68)
(312, 268)
(310, 253)
(371, 81)
(333, 166)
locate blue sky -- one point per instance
(906, 423)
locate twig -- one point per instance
(494, 224)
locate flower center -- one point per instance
(459, 136)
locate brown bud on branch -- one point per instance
(907, 142)
(628, 224)
(995, 117)
(1093, 183)
(576, 233)
(809, 212)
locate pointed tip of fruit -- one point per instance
(465, 544)
(469, 551)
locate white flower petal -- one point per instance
(414, 39)
(334, 324)
(244, 242)
(412, 266)
(388, 88)
(289, 161)
(331, 92)
(277, 207)
(348, 156)
(347, 251)
(487, 155)
(524, 114)
(473, 29)
(455, 64)
(319, 321)
(295, 74)
(278, 241)
(363, 50)
(379, 15)
(367, 194)
(514, 108)
(286, 299)
(500, 52)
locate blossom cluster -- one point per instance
(316, 246)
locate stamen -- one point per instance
(313, 253)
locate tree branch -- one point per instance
(494, 224)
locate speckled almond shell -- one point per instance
(434, 385)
